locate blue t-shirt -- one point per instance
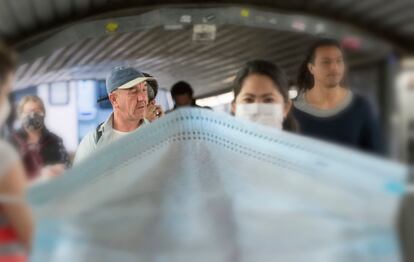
(354, 125)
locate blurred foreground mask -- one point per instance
(202, 186)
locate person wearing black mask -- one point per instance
(43, 152)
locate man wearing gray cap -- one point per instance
(128, 91)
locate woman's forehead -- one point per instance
(262, 94)
(31, 105)
(328, 52)
(259, 86)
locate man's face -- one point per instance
(131, 103)
(328, 67)
(183, 100)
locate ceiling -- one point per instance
(82, 39)
(392, 20)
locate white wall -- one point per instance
(62, 119)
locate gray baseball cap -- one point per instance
(151, 82)
(123, 77)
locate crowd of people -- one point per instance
(325, 108)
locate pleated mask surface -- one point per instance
(202, 186)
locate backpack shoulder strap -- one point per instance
(99, 132)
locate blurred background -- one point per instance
(67, 47)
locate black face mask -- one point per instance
(33, 121)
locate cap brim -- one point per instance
(102, 99)
(135, 82)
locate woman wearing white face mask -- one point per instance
(261, 95)
(15, 218)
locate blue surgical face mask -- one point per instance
(198, 185)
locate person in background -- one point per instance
(325, 108)
(43, 152)
(127, 89)
(16, 224)
(261, 95)
(154, 111)
(183, 95)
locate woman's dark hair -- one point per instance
(278, 77)
(7, 62)
(305, 79)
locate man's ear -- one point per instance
(113, 99)
(310, 68)
(288, 107)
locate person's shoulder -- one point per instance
(363, 107)
(16, 134)
(8, 154)
(52, 136)
(89, 137)
(86, 147)
(5, 146)
(361, 102)
(360, 99)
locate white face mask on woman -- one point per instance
(5, 110)
(265, 114)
